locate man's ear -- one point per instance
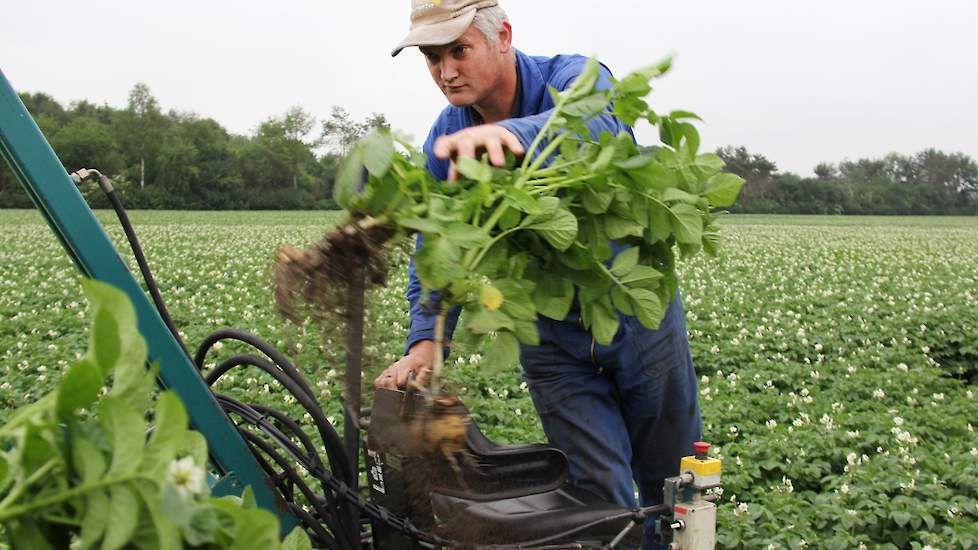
(505, 37)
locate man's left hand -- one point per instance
(465, 143)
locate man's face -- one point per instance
(469, 69)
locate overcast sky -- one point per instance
(799, 81)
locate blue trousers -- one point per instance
(623, 412)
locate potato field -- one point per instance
(837, 357)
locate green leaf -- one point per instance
(203, 525)
(465, 235)
(248, 501)
(711, 241)
(88, 460)
(676, 194)
(166, 533)
(484, 321)
(521, 200)
(348, 178)
(604, 158)
(602, 319)
(25, 533)
(596, 202)
(127, 344)
(78, 388)
(378, 152)
(621, 301)
(473, 169)
(722, 189)
(679, 115)
(123, 517)
(709, 164)
(438, 262)
(170, 429)
(660, 224)
(559, 229)
(421, 225)
(106, 343)
(134, 384)
(503, 353)
(126, 430)
(255, 528)
(509, 219)
(617, 227)
(624, 262)
(583, 85)
(95, 519)
(297, 540)
(553, 297)
(687, 223)
(901, 517)
(641, 275)
(526, 332)
(518, 302)
(587, 106)
(648, 307)
(193, 444)
(175, 506)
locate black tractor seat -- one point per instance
(491, 495)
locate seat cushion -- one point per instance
(564, 514)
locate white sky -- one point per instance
(799, 81)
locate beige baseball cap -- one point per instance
(440, 22)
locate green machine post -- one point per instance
(53, 192)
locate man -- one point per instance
(622, 412)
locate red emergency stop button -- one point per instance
(700, 448)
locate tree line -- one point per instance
(176, 160)
(928, 182)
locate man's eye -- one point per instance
(460, 51)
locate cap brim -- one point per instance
(437, 34)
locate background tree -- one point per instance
(340, 131)
(182, 161)
(141, 130)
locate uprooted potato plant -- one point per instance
(508, 244)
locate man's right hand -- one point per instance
(419, 360)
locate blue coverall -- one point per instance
(622, 412)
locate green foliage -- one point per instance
(858, 287)
(550, 218)
(77, 468)
(929, 182)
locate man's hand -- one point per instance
(465, 143)
(419, 360)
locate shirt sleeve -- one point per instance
(526, 128)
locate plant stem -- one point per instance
(439, 351)
(19, 489)
(542, 157)
(10, 513)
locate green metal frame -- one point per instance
(73, 222)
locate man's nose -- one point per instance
(449, 71)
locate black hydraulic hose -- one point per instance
(315, 468)
(256, 342)
(332, 441)
(323, 515)
(137, 251)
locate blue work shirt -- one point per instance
(534, 105)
